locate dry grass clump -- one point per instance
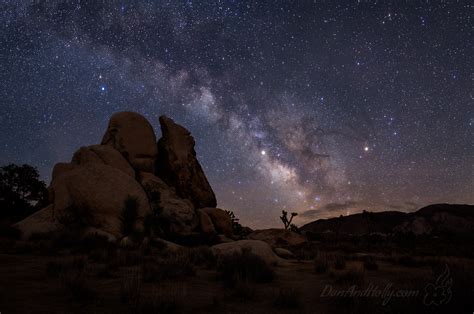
(130, 288)
(56, 267)
(339, 261)
(321, 263)
(288, 298)
(175, 266)
(244, 266)
(353, 275)
(370, 263)
(165, 299)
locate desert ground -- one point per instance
(59, 274)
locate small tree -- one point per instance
(21, 192)
(285, 220)
(236, 226)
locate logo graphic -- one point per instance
(439, 293)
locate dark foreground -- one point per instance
(59, 275)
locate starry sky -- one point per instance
(319, 107)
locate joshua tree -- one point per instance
(285, 220)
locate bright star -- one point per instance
(366, 148)
(263, 152)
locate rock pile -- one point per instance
(164, 179)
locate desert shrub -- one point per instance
(321, 264)
(126, 258)
(339, 262)
(102, 255)
(409, 261)
(96, 241)
(172, 267)
(243, 289)
(287, 298)
(104, 271)
(237, 228)
(202, 256)
(164, 299)
(21, 247)
(129, 215)
(244, 266)
(370, 263)
(352, 276)
(130, 288)
(8, 231)
(76, 283)
(56, 268)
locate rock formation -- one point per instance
(278, 237)
(178, 214)
(260, 248)
(164, 178)
(178, 166)
(133, 136)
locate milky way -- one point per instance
(323, 107)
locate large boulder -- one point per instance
(102, 154)
(95, 194)
(61, 168)
(133, 136)
(40, 222)
(259, 248)
(278, 237)
(178, 166)
(215, 220)
(177, 215)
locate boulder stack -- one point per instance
(178, 166)
(164, 179)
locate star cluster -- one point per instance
(321, 107)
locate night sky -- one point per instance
(324, 107)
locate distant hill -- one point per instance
(433, 219)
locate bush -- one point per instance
(243, 289)
(76, 283)
(164, 299)
(202, 256)
(129, 215)
(340, 262)
(244, 266)
(130, 289)
(8, 231)
(370, 263)
(352, 276)
(321, 264)
(125, 258)
(57, 268)
(287, 298)
(175, 266)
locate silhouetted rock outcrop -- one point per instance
(216, 220)
(93, 188)
(178, 166)
(102, 154)
(278, 237)
(133, 136)
(178, 215)
(434, 219)
(260, 248)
